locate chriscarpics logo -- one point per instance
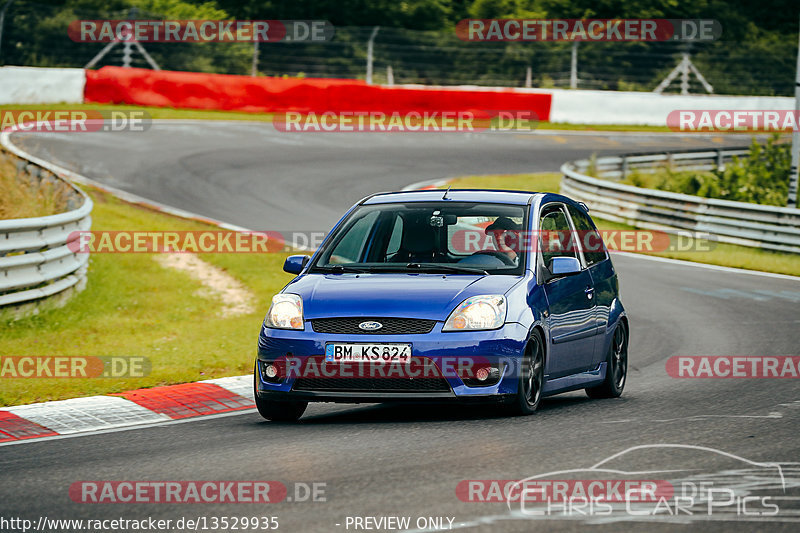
(659, 483)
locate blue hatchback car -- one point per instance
(465, 295)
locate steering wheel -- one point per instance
(500, 255)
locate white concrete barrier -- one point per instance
(650, 109)
(31, 85)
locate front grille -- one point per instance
(391, 326)
(372, 384)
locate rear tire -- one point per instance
(531, 379)
(616, 367)
(277, 411)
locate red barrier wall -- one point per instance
(243, 93)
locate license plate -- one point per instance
(371, 353)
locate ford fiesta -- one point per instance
(465, 295)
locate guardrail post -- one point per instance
(719, 159)
(369, 53)
(624, 167)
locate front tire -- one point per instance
(277, 411)
(531, 379)
(616, 367)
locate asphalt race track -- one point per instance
(254, 176)
(380, 460)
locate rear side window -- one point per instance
(594, 249)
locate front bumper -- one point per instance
(503, 346)
(381, 397)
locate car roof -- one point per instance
(455, 195)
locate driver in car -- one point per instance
(505, 235)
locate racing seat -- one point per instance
(417, 245)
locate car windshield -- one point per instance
(447, 237)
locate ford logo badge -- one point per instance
(370, 325)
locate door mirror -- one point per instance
(295, 263)
(564, 266)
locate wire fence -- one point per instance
(37, 35)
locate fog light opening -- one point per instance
(270, 372)
(485, 376)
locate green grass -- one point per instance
(538, 182)
(729, 255)
(604, 127)
(134, 307)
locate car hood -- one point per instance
(429, 296)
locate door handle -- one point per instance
(589, 292)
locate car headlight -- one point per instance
(478, 312)
(286, 312)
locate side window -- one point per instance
(351, 247)
(594, 249)
(555, 236)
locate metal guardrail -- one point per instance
(36, 261)
(762, 226)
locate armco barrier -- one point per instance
(36, 262)
(762, 226)
(264, 94)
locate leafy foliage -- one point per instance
(762, 177)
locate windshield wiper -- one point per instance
(446, 267)
(399, 267)
(341, 269)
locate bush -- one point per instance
(762, 177)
